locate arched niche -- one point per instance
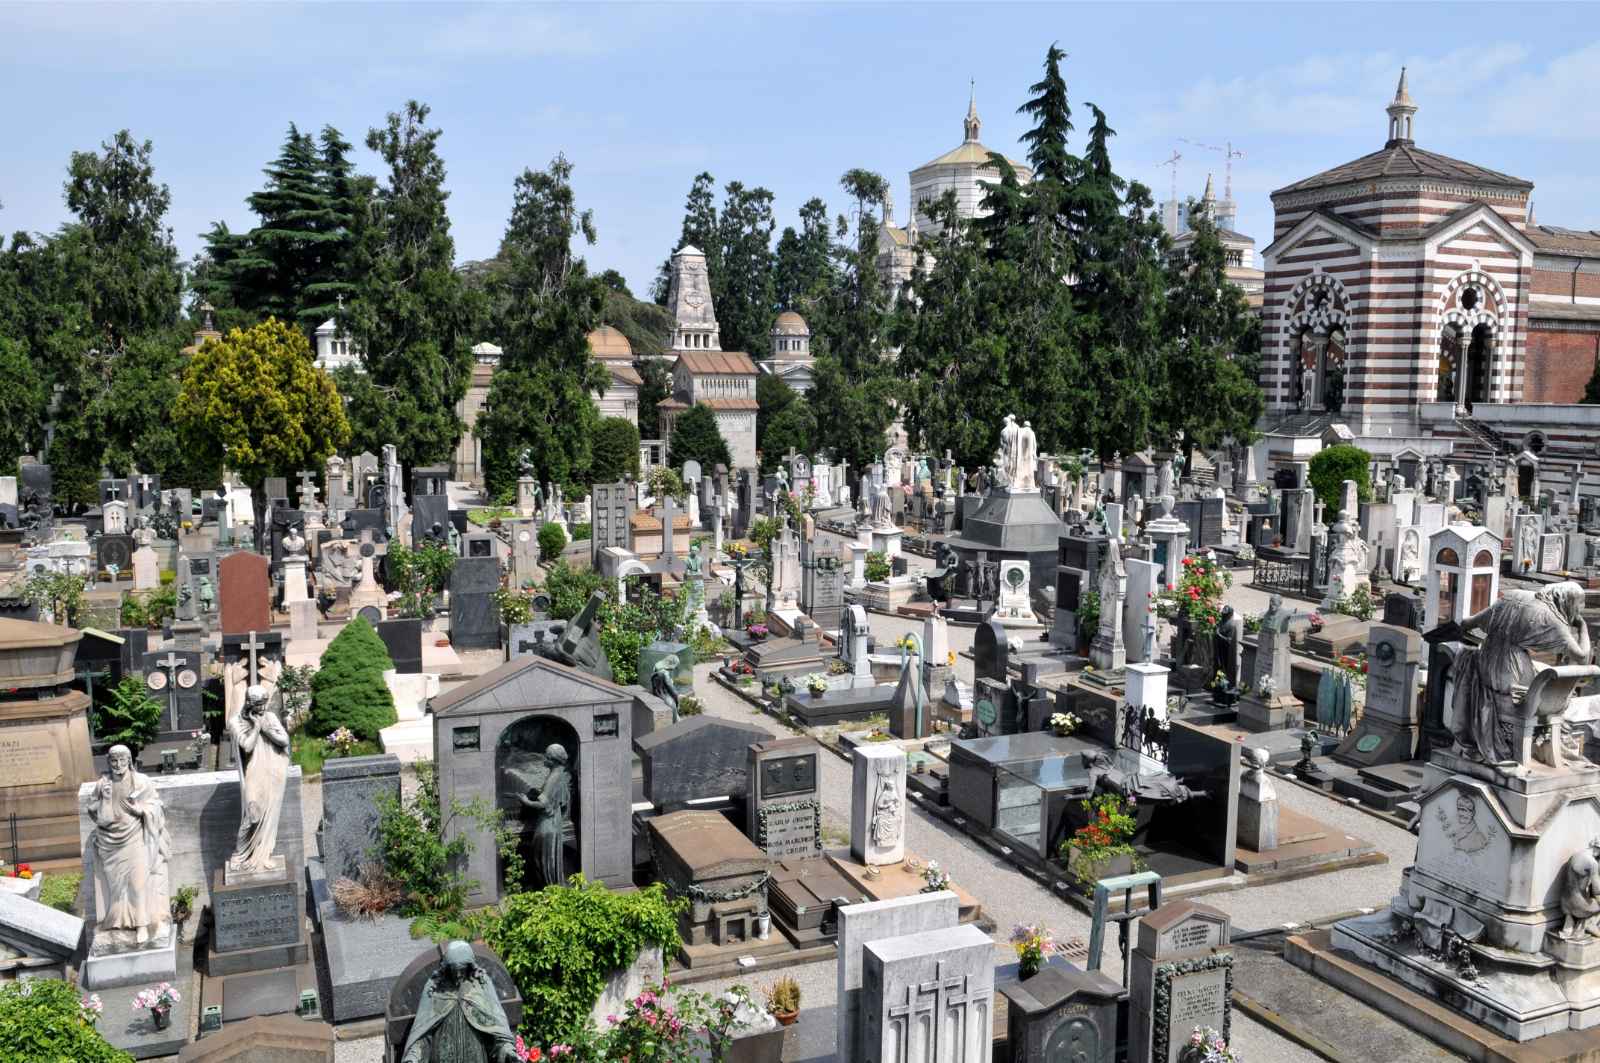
(522, 768)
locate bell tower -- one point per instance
(1401, 111)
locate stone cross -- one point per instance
(171, 662)
(252, 647)
(144, 489)
(669, 513)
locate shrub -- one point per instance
(369, 895)
(150, 608)
(616, 450)
(128, 716)
(60, 890)
(582, 531)
(294, 685)
(44, 1020)
(695, 435)
(348, 689)
(878, 566)
(420, 575)
(561, 943)
(1332, 466)
(552, 540)
(569, 588)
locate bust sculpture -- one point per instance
(263, 771)
(1548, 620)
(459, 1017)
(551, 807)
(131, 849)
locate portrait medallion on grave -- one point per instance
(789, 775)
(1074, 1041)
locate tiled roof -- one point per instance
(724, 363)
(971, 152)
(731, 404)
(650, 522)
(1555, 238)
(1404, 160)
(624, 372)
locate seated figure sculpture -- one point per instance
(1488, 718)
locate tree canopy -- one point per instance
(696, 437)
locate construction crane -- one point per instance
(1173, 162)
(1229, 153)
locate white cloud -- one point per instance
(1558, 101)
(504, 31)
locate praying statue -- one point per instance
(882, 508)
(132, 905)
(263, 770)
(459, 1017)
(1548, 620)
(552, 809)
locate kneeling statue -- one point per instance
(459, 1018)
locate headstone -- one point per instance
(352, 789)
(785, 805)
(245, 594)
(1062, 1014)
(698, 757)
(990, 651)
(403, 639)
(1258, 805)
(1388, 731)
(1181, 973)
(146, 569)
(474, 619)
(174, 680)
(878, 804)
(430, 519)
(114, 553)
(929, 997)
(877, 921)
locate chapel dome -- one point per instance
(609, 344)
(790, 323)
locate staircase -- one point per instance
(1485, 436)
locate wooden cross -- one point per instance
(171, 662)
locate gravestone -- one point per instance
(1388, 731)
(115, 549)
(1181, 973)
(878, 804)
(785, 806)
(1402, 610)
(174, 680)
(403, 639)
(357, 521)
(697, 757)
(1062, 1014)
(474, 618)
(245, 594)
(929, 997)
(430, 519)
(990, 650)
(877, 921)
(429, 480)
(347, 836)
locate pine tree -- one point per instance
(803, 263)
(348, 689)
(616, 451)
(412, 314)
(745, 302)
(656, 386)
(695, 436)
(541, 397)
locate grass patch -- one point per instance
(309, 752)
(60, 890)
(482, 517)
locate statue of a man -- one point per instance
(551, 807)
(208, 595)
(1550, 620)
(132, 898)
(263, 770)
(459, 1017)
(692, 565)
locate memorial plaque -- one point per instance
(255, 916)
(28, 757)
(794, 828)
(1552, 553)
(789, 775)
(1197, 998)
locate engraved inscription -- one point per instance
(1198, 934)
(1198, 999)
(248, 919)
(790, 832)
(28, 757)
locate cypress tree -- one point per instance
(348, 689)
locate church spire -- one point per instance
(1401, 110)
(1209, 196)
(972, 124)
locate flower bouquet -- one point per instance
(1033, 942)
(158, 1002)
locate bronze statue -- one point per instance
(552, 808)
(459, 1017)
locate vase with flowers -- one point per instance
(158, 1001)
(1032, 942)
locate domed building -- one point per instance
(790, 360)
(621, 399)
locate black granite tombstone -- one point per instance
(1062, 1014)
(1402, 610)
(430, 519)
(403, 639)
(696, 758)
(990, 649)
(115, 550)
(474, 620)
(173, 679)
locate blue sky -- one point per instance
(789, 96)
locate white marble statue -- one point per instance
(1026, 476)
(132, 891)
(1580, 895)
(882, 509)
(263, 771)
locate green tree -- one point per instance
(133, 416)
(744, 301)
(552, 540)
(695, 436)
(656, 387)
(255, 402)
(541, 398)
(1207, 396)
(1332, 466)
(348, 689)
(803, 263)
(794, 427)
(699, 230)
(647, 326)
(411, 314)
(23, 402)
(616, 451)
(773, 396)
(124, 254)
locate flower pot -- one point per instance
(1099, 867)
(180, 914)
(786, 1018)
(161, 1017)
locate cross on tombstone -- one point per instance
(144, 487)
(252, 647)
(171, 662)
(669, 512)
(308, 489)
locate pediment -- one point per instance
(528, 683)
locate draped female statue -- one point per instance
(263, 771)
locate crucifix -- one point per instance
(252, 647)
(144, 490)
(171, 662)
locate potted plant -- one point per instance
(1102, 848)
(1206, 1046)
(756, 631)
(183, 903)
(158, 1002)
(816, 685)
(783, 1000)
(1032, 943)
(1064, 723)
(935, 878)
